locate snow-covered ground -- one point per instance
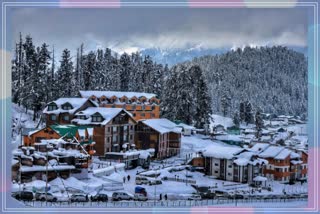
(220, 120)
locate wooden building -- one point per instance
(160, 134)
(113, 128)
(62, 110)
(140, 105)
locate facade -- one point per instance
(283, 164)
(113, 128)
(159, 134)
(140, 105)
(62, 110)
(30, 137)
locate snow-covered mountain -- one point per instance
(174, 56)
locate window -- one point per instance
(131, 137)
(229, 166)
(96, 118)
(52, 107)
(125, 138)
(143, 107)
(82, 117)
(143, 115)
(108, 129)
(216, 164)
(216, 172)
(131, 127)
(66, 118)
(125, 128)
(67, 107)
(113, 106)
(114, 138)
(53, 117)
(133, 107)
(152, 108)
(134, 114)
(114, 129)
(229, 174)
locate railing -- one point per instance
(189, 181)
(175, 203)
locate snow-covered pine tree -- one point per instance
(202, 100)
(258, 122)
(44, 72)
(236, 119)
(65, 74)
(248, 113)
(242, 110)
(89, 68)
(125, 71)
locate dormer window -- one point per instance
(67, 106)
(52, 107)
(97, 118)
(82, 117)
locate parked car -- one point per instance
(194, 197)
(140, 190)
(154, 181)
(207, 195)
(140, 197)
(118, 196)
(41, 196)
(23, 195)
(100, 197)
(141, 180)
(79, 198)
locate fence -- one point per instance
(275, 202)
(189, 181)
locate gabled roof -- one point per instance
(222, 152)
(271, 152)
(76, 103)
(259, 147)
(68, 131)
(119, 94)
(107, 113)
(162, 125)
(283, 154)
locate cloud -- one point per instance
(128, 29)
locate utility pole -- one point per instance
(47, 173)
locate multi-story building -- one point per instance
(160, 134)
(140, 105)
(284, 164)
(113, 128)
(62, 110)
(232, 164)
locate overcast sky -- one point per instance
(128, 29)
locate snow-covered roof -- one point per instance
(229, 137)
(260, 178)
(119, 94)
(271, 152)
(76, 103)
(221, 152)
(107, 113)
(259, 147)
(44, 168)
(295, 162)
(294, 155)
(220, 120)
(283, 154)
(162, 125)
(185, 126)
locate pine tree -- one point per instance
(125, 71)
(242, 112)
(236, 119)
(248, 114)
(258, 122)
(44, 74)
(89, 67)
(65, 74)
(202, 99)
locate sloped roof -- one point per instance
(107, 113)
(283, 154)
(271, 152)
(222, 152)
(68, 131)
(162, 125)
(259, 147)
(76, 103)
(119, 94)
